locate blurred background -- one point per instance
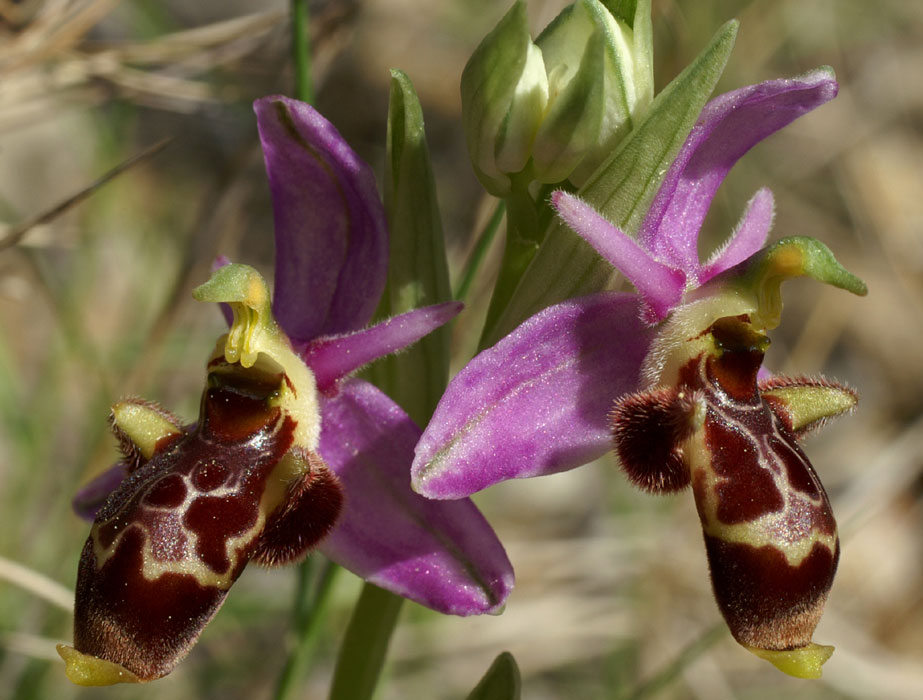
(612, 596)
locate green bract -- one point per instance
(556, 107)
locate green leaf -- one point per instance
(418, 273)
(501, 682)
(622, 189)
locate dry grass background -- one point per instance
(612, 584)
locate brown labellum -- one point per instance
(769, 530)
(179, 530)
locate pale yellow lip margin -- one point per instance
(805, 662)
(84, 669)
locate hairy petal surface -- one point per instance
(729, 126)
(442, 555)
(749, 236)
(331, 236)
(660, 285)
(331, 358)
(536, 402)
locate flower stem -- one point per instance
(362, 653)
(304, 615)
(479, 252)
(524, 233)
(307, 613)
(301, 51)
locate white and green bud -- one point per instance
(600, 81)
(504, 94)
(557, 107)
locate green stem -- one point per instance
(671, 671)
(305, 616)
(479, 252)
(365, 645)
(301, 51)
(523, 236)
(308, 611)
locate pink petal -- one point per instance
(729, 126)
(749, 236)
(536, 402)
(333, 357)
(331, 236)
(659, 284)
(443, 555)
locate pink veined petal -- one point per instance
(729, 126)
(443, 555)
(330, 231)
(749, 236)
(536, 402)
(331, 358)
(660, 285)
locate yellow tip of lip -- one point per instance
(83, 669)
(804, 662)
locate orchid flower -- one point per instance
(668, 376)
(290, 452)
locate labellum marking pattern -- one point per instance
(180, 529)
(768, 526)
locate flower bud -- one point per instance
(600, 82)
(504, 93)
(555, 108)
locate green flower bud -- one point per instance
(599, 80)
(556, 108)
(504, 93)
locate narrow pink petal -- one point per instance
(729, 126)
(443, 555)
(749, 236)
(330, 231)
(659, 284)
(333, 357)
(536, 402)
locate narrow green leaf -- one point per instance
(501, 682)
(418, 273)
(622, 189)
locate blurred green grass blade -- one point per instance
(484, 241)
(501, 682)
(16, 234)
(622, 189)
(669, 673)
(301, 51)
